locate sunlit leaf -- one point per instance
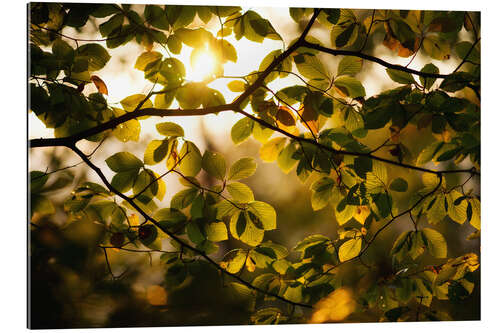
(191, 158)
(435, 242)
(270, 150)
(169, 129)
(240, 192)
(123, 161)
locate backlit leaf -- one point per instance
(350, 249)
(215, 164)
(242, 168)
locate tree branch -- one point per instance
(371, 58)
(172, 235)
(65, 141)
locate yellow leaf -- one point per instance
(156, 295)
(361, 213)
(250, 264)
(99, 84)
(335, 307)
(270, 150)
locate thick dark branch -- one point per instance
(234, 106)
(172, 235)
(371, 58)
(351, 153)
(34, 143)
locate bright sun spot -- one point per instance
(202, 65)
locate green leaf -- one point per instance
(147, 58)
(345, 215)
(227, 50)
(156, 151)
(265, 213)
(163, 101)
(475, 219)
(286, 162)
(190, 164)
(170, 217)
(399, 185)
(312, 68)
(114, 23)
(62, 50)
(435, 242)
(156, 16)
(236, 86)
(142, 184)
(400, 242)
(98, 56)
(195, 38)
(457, 213)
(350, 249)
(127, 131)
(204, 13)
(463, 48)
(322, 192)
(214, 164)
(169, 129)
(427, 82)
(437, 212)
(241, 289)
(216, 232)
(225, 208)
(362, 165)
(270, 150)
(130, 103)
(293, 294)
(400, 76)
(194, 232)
(244, 229)
(350, 86)
(456, 81)
(212, 97)
(349, 65)
(344, 35)
(428, 152)
(234, 260)
(310, 241)
(174, 44)
(242, 129)
(183, 198)
(436, 47)
(240, 192)
(123, 161)
(123, 181)
(242, 168)
(180, 15)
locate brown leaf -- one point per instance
(99, 84)
(285, 116)
(310, 117)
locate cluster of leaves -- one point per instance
(326, 127)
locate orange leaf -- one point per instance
(310, 117)
(99, 84)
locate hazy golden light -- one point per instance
(203, 63)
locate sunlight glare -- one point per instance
(203, 65)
